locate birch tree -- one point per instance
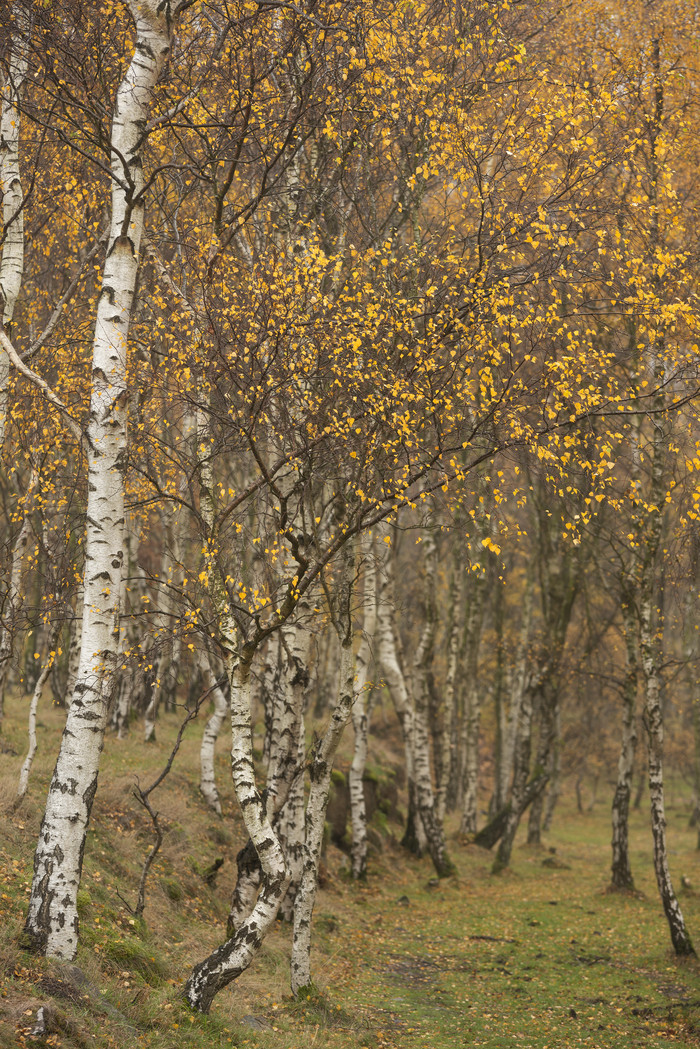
(52, 919)
(12, 258)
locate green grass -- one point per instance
(536, 957)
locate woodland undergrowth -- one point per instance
(539, 956)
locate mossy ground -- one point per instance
(538, 956)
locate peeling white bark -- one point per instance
(12, 259)
(207, 778)
(52, 919)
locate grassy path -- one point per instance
(540, 956)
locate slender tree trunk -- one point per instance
(14, 593)
(387, 650)
(320, 768)
(361, 711)
(165, 677)
(649, 610)
(653, 723)
(286, 781)
(434, 831)
(546, 742)
(521, 771)
(456, 593)
(621, 869)
(207, 773)
(552, 795)
(234, 956)
(52, 919)
(290, 827)
(36, 698)
(691, 646)
(284, 794)
(12, 258)
(501, 777)
(695, 818)
(519, 682)
(472, 707)
(649, 641)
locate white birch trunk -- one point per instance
(207, 772)
(12, 259)
(415, 730)
(33, 706)
(499, 681)
(434, 831)
(521, 769)
(14, 595)
(235, 955)
(284, 794)
(649, 645)
(320, 768)
(621, 869)
(519, 684)
(396, 682)
(472, 707)
(450, 691)
(52, 919)
(290, 827)
(361, 711)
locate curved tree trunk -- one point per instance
(52, 920)
(284, 793)
(234, 956)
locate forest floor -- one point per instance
(539, 956)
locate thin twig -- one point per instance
(42, 385)
(143, 797)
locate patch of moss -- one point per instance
(172, 889)
(136, 957)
